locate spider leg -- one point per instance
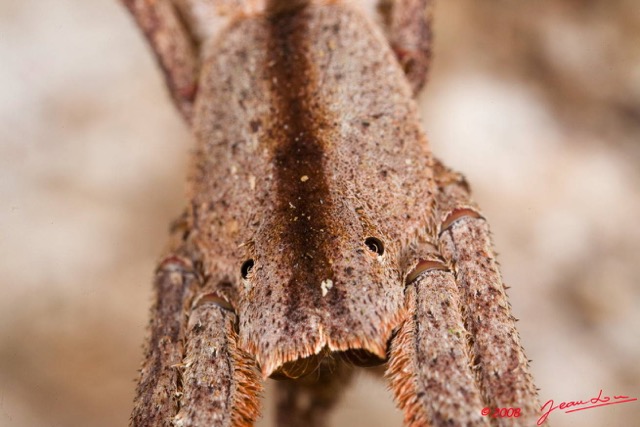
(193, 373)
(220, 383)
(459, 352)
(408, 25)
(173, 46)
(498, 359)
(429, 367)
(157, 393)
(307, 401)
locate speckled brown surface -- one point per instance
(314, 180)
(409, 28)
(438, 350)
(93, 166)
(317, 154)
(176, 50)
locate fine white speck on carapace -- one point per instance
(325, 286)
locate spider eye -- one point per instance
(374, 245)
(246, 268)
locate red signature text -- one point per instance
(501, 412)
(580, 405)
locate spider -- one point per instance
(321, 233)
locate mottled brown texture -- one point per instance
(409, 27)
(157, 394)
(220, 384)
(429, 369)
(173, 46)
(312, 199)
(497, 357)
(193, 374)
(283, 178)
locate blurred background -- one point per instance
(537, 103)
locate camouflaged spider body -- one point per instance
(321, 232)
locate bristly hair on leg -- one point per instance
(400, 369)
(248, 383)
